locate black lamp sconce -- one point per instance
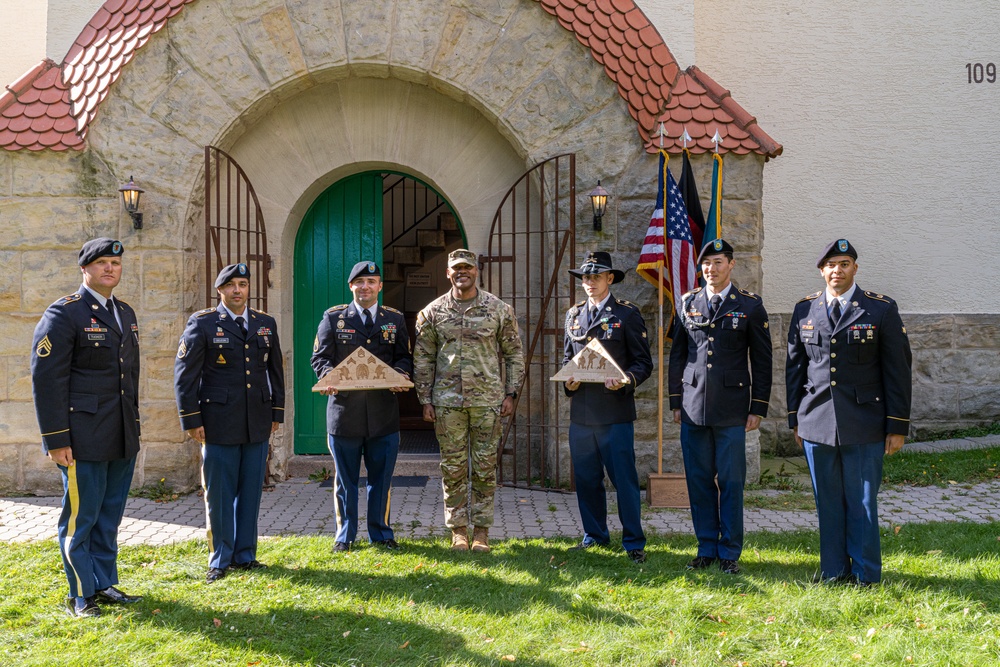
(131, 194)
(599, 200)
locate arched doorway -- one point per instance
(384, 216)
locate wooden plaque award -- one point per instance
(362, 371)
(591, 364)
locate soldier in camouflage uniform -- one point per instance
(460, 337)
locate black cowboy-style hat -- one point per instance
(598, 261)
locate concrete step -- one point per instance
(407, 255)
(431, 238)
(407, 465)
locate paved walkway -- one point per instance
(301, 507)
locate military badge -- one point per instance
(44, 347)
(717, 244)
(340, 324)
(220, 360)
(182, 350)
(842, 245)
(316, 344)
(116, 248)
(243, 269)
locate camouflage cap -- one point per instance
(462, 256)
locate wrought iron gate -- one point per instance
(234, 227)
(532, 245)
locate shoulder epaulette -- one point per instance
(260, 312)
(578, 305)
(810, 297)
(694, 291)
(70, 298)
(391, 310)
(878, 297)
(336, 308)
(203, 313)
(747, 293)
(123, 302)
(623, 302)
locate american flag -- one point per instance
(676, 251)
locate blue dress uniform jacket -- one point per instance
(709, 380)
(231, 384)
(850, 385)
(368, 414)
(622, 331)
(85, 376)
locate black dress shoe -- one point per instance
(112, 594)
(252, 565)
(390, 544)
(586, 544)
(82, 607)
(214, 574)
(341, 546)
(729, 566)
(700, 563)
(637, 556)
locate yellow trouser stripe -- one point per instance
(208, 521)
(73, 491)
(388, 504)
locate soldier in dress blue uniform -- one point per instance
(85, 382)
(363, 424)
(230, 390)
(601, 431)
(720, 385)
(848, 384)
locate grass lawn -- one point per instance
(943, 469)
(528, 603)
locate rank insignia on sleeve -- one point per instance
(44, 348)
(765, 325)
(182, 350)
(316, 344)
(643, 334)
(220, 360)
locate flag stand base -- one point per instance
(667, 489)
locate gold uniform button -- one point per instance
(123, 392)
(247, 346)
(97, 344)
(590, 338)
(709, 353)
(369, 341)
(833, 341)
(708, 365)
(248, 372)
(832, 369)
(833, 355)
(248, 386)
(248, 358)
(711, 326)
(833, 383)
(711, 339)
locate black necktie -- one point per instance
(714, 306)
(368, 321)
(593, 316)
(110, 305)
(240, 321)
(835, 312)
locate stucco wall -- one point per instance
(22, 37)
(885, 141)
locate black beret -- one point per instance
(364, 269)
(102, 247)
(715, 247)
(232, 271)
(838, 247)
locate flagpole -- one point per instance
(659, 383)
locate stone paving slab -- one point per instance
(301, 507)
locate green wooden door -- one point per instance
(342, 227)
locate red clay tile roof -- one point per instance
(621, 38)
(701, 106)
(52, 106)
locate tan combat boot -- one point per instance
(481, 539)
(459, 539)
